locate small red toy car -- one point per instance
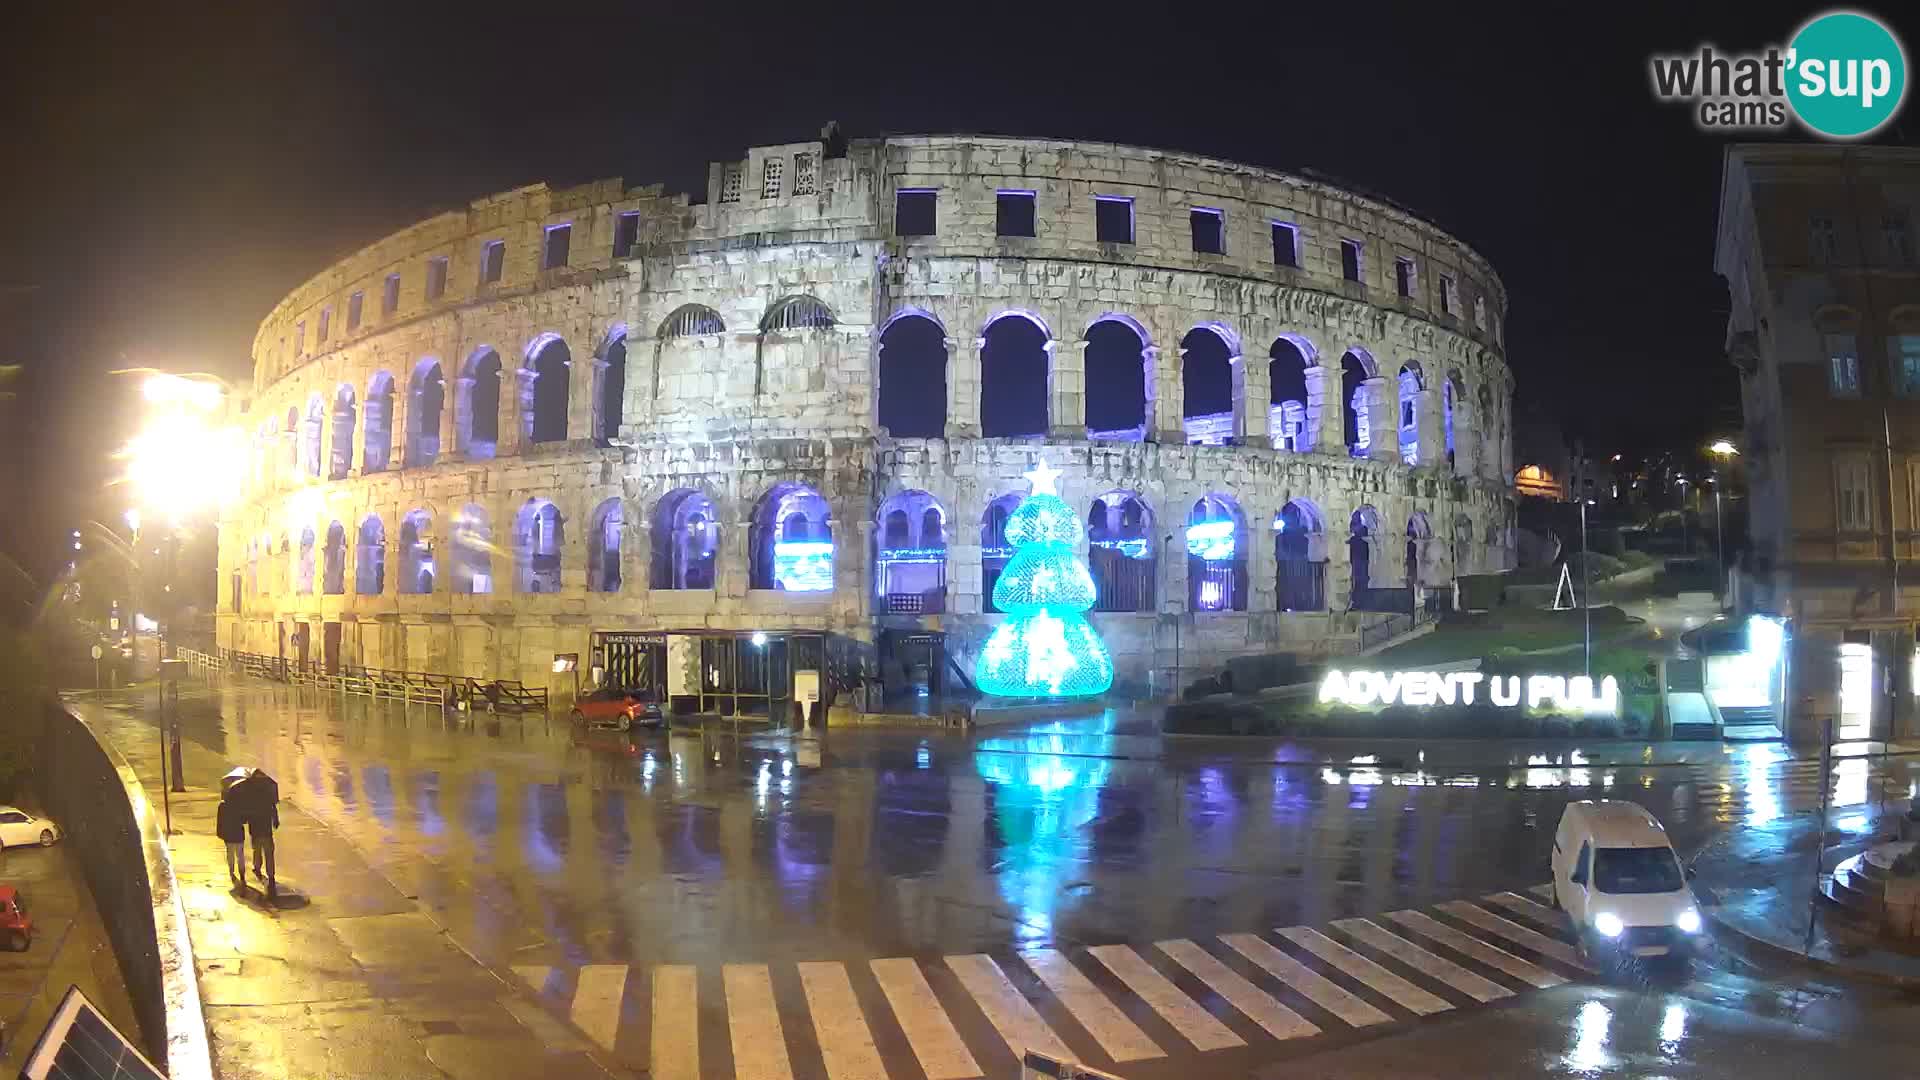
(619, 709)
(15, 923)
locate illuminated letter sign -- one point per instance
(1422, 689)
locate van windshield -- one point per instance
(1636, 870)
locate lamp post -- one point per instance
(1721, 451)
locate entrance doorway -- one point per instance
(631, 661)
(330, 648)
(1856, 692)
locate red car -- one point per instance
(619, 709)
(15, 923)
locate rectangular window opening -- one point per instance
(1350, 260)
(1113, 219)
(1855, 495)
(354, 305)
(300, 338)
(626, 233)
(1286, 244)
(493, 260)
(1209, 231)
(915, 211)
(1403, 277)
(1843, 365)
(1013, 213)
(1905, 350)
(390, 295)
(559, 245)
(1449, 296)
(771, 171)
(1898, 239)
(437, 277)
(1823, 243)
(326, 325)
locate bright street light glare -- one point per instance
(1723, 448)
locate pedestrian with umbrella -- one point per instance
(257, 797)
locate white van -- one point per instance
(1615, 873)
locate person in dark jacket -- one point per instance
(230, 826)
(260, 827)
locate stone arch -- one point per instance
(798, 312)
(1488, 424)
(1122, 552)
(303, 569)
(1207, 375)
(1293, 417)
(370, 557)
(293, 437)
(1363, 540)
(539, 544)
(1357, 369)
(1411, 387)
(1464, 555)
(376, 434)
(1453, 399)
(310, 430)
(1300, 556)
(472, 554)
(1216, 554)
(1016, 375)
(910, 554)
(340, 439)
(253, 566)
(912, 374)
(416, 552)
(544, 390)
(791, 540)
(610, 385)
(1419, 550)
(606, 533)
(792, 343)
(1119, 383)
(995, 551)
(685, 540)
(333, 561)
(691, 320)
(426, 396)
(476, 405)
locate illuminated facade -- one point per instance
(805, 404)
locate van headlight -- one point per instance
(1688, 922)
(1608, 924)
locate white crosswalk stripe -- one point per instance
(845, 1040)
(1305, 981)
(942, 1053)
(1396, 989)
(676, 1022)
(1419, 959)
(1467, 945)
(1544, 892)
(596, 1002)
(1120, 1037)
(753, 1023)
(1194, 1023)
(1546, 916)
(1258, 1005)
(1010, 1014)
(1514, 932)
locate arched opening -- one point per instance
(796, 313)
(793, 345)
(544, 399)
(610, 394)
(303, 570)
(1216, 555)
(1015, 376)
(1287, 418)
(681, 365)
(995, 551)
(1118, 386)
(913, 377)
(1411, 386)
(603, 547)
(1419, 535)
(1491, 461)
(333, 564)
(1206, 384)
(911, 560)
(425, 397)
(370, 559)
(310, 435)
(1450, 391)
(1464, 555)
(685, 540)
(1300, 557)
(253, 567)
(476, 421)
(472, 552)
(792, 540)
(1121, 553)
(376, 436)
(1357, 419)
(340, 443)
(537, 545)
(1363, 531)
(416, 556)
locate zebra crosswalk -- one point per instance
(1144, 1009)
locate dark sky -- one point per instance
(170, 176)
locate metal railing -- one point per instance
(412, 687)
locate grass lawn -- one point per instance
(1466, 636)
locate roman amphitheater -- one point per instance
(710, 445)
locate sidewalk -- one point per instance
(344, 976)
(1756, 882)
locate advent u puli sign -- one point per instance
(1553, 693)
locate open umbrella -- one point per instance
(251, 789)
(234, 779)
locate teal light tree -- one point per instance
(1045, 648)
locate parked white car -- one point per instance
(21, 829)
(1615, 873)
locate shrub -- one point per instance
(1601, 567)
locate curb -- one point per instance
(1761, 950)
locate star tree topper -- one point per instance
(1042, 477)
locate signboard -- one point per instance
(565, 662)
(629, 637)
(806, 687)
(98, 652)
(1533, 693)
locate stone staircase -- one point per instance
(1864, 891)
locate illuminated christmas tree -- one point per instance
(1045, 647)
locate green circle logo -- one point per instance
(1847, 74)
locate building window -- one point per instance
(1823, 243)
(806, 174)
(1898, 239)
(354, 304)
(1853, 488)
(436, 277)
(390, 295)
(1013, 213)
(1113, 219)
(915, 212)
(1449, 296)
(493, 259)
(1480, 312)
(1286, 244)
(1403, 278)
(1350, 260)
(559, 246)
(326, 326)
(730, 184)
(626, 233)
(1843, 365)
(770, 171)
(300, 338)
(1209, 231)
(1905, 350)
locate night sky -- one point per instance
(170, 176)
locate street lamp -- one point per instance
(1721, 451)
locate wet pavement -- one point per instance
(893, 903)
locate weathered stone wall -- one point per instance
(736, 409)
